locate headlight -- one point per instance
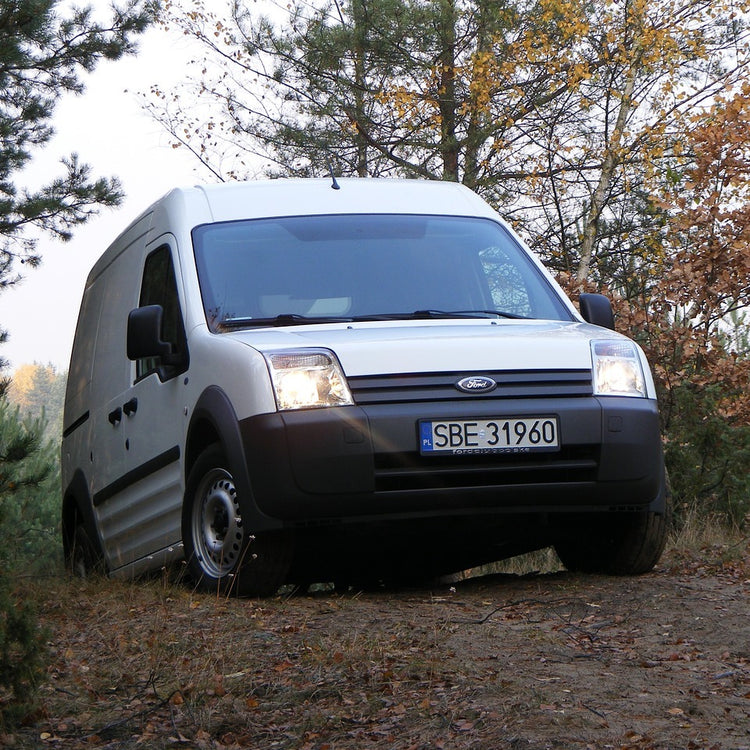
(307, 379)
(617, 369)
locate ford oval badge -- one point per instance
(476, 384)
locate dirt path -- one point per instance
(554, 661)
(660, 661)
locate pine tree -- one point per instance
(39, 392)
(564, 114)
(25, 466)
(43, 55)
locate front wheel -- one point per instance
(621, 544)
(221, 552)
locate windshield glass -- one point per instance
(296, 270)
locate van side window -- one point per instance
(159, 288)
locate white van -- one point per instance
(300, 380)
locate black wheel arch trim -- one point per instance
(76, 498)
(660, 504)
(214, 407)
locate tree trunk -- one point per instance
(359, 16)
(474, 131)
(611, 162)
(447, 104)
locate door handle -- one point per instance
(115, 416)
(130, 407)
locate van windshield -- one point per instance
(312, 269)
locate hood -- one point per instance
(375, 348)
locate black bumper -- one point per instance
(355, 463)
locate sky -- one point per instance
(108, 129)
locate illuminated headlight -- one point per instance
(307, 379)
(617, 369)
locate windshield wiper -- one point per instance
(285, 319)
(293, 319)
(438, 314)
(463, 314)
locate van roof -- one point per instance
(181, 209)
(284, 197)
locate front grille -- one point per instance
(411, 471)
(389, 389)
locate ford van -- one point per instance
(354, 380)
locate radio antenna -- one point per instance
(334, 184)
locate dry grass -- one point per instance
(698, 536)
(538, 562)
(702, 537)
(462, 664)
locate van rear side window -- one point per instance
(159, 288)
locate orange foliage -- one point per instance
(683, 320)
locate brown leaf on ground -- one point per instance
(656, 662)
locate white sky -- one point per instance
(109, 131)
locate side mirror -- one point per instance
(597, 310)
(144, 334)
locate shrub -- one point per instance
(27, 469)
(708, 457)
(23, 655)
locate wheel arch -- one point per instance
(77, 504)
(215, 421)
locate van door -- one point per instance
(110, 381)
(145, 515)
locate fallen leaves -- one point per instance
(577, 660)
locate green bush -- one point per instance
(708, 457)
(28, 495)
(23, 655)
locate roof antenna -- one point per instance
(334, 184)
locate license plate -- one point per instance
(500, 435)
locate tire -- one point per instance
(221, 552)
(623, 544)
(84, 559)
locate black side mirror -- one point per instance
(597, 309)
(144, 334)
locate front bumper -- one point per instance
(363, 462)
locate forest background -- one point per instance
(614, 135)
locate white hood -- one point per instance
(376, 348)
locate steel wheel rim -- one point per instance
(217, 524)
